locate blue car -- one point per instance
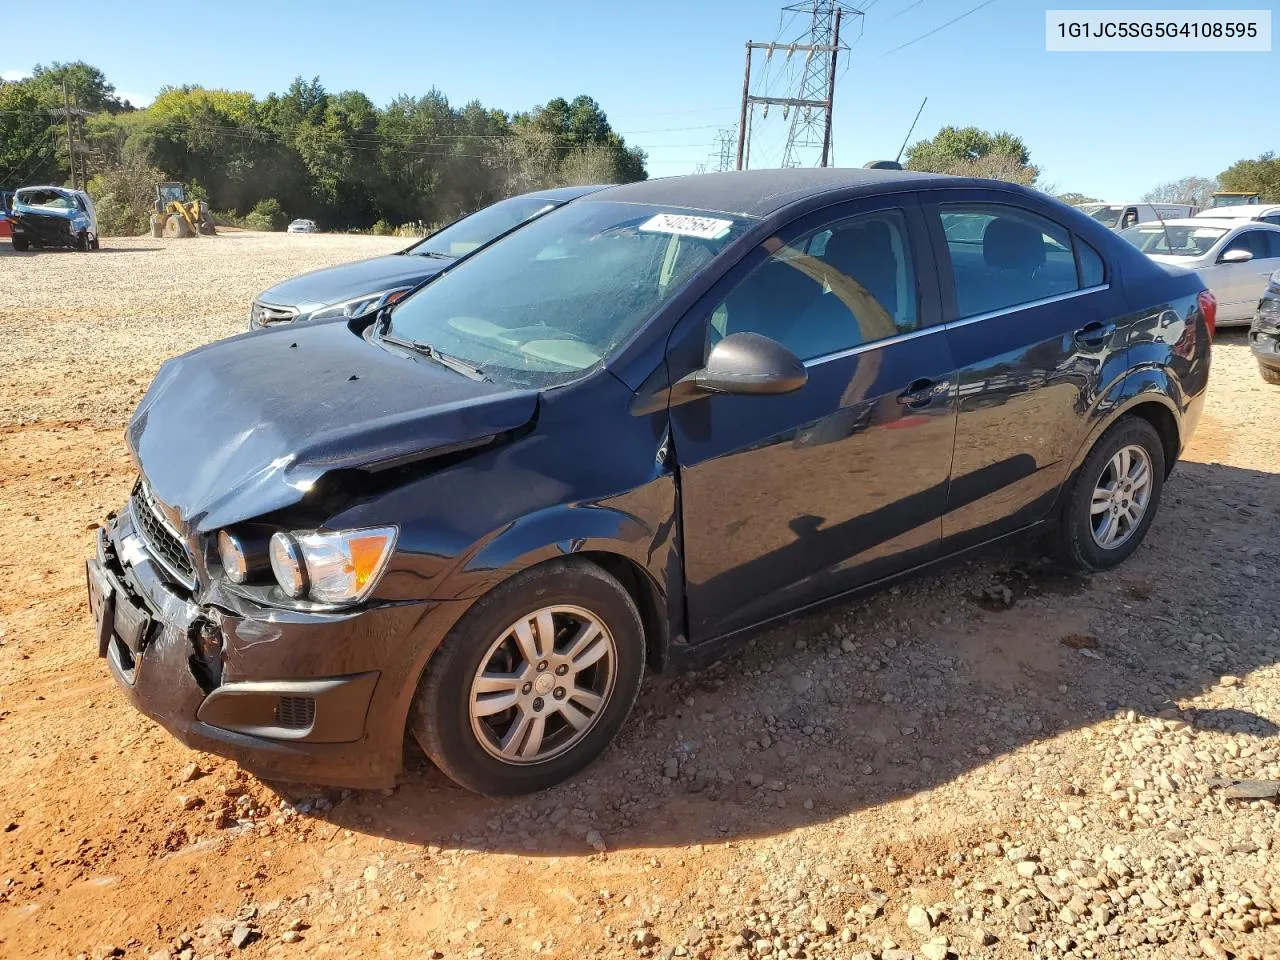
(641, 426)
(53, 217)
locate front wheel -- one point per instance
(1269, 374)
(533, 682)
(20, 244)
(1114, 496)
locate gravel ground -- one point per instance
(998, 760)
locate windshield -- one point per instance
(45, 198)
(1173, 240)
(467, 234)
(558, 296)
(1104, 213)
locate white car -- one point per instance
(1235, 257)
(1264, 212)
(1122, 216)
(303, 226)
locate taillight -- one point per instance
(1209, 310)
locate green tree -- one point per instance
(1076, 198)
(971, 152)
(86, 86)
(1261, 176)
(28, 138)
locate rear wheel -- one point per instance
(1114, 496)
(533, 682)
(1269, 374)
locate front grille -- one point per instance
(266, 314)
(161, 540)
(296, 713)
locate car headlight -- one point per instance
(340, 566)
(360, 305)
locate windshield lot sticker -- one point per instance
(705, 228)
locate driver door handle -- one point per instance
(919, 393)
(1094, 334)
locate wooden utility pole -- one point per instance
(71, 153)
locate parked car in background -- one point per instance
(302, 226)
(1122, 216)
(1264, 332)
(653, 419)
(354, 288)
(53, 217)
(1234, 257)
(1264, 212)
(6, 202)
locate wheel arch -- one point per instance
(1153, 395)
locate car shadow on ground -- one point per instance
(900, 692)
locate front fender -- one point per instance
(558, 531)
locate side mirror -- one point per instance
(750, 363)
(1236, 256)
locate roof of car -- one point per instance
(565, 194)
(758, 193)
(1237, 211)
(1226, 223)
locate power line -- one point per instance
(923, 36)
(910, 6)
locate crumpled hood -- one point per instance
(22, 210)
(323, 288)
(246, 426)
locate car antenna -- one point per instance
(1163, 226)
(898, 158)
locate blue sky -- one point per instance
(669, 72)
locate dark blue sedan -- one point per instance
(657, 418)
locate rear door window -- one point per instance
(1255, 241)
(1002, 256)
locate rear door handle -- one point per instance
(1094, 333)
(919, 393)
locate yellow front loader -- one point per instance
(176, 216)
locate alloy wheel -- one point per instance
(1121, 496)
(543, 684)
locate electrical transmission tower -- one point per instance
(809, 107)
(724, 149)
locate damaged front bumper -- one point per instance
(289, 695)
(1264, 333)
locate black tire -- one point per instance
(441, 716)
(1269, 374)
(20, 244)
(95, 244)
(82, 241)
(1075, 543)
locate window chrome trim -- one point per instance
(1018, 307)
(874, 344)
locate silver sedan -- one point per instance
(1234, 259)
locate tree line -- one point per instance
(969, 151)
(336, 158)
